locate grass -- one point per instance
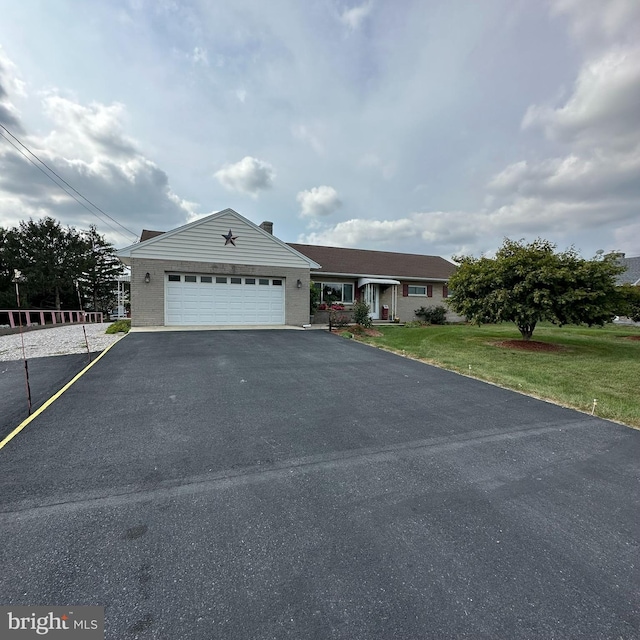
(599, 363)
(119, 326)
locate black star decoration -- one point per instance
(229, 238)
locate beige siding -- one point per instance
(147, 299)
(204, 243)
(407, 305)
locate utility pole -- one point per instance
(17, 279)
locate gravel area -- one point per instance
(57, 341)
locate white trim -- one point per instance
(320, 274)
(363, 281)
(418, 295)
(341, 284)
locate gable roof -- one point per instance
(632, 274)
(363, 262)
(200, 241)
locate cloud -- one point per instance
(599, 22)
(88, 147)
(87, 131)
(597, 176)
(372, 160)
(454, 232)
(10, 85)
(318, 201)
(305, 133)
(200, 56)
(249, 175)
(353, 17)
(604, 108)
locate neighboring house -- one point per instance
(225, 270)
(632, 274)
(402, 282)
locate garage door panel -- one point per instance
(220, 303)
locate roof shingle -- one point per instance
(376, 263)
(632, 274)
(148, 234)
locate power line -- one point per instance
(59, 185)
(65, 182)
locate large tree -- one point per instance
(49, 256)
(100, 269)
(529, 283)
(58, 263)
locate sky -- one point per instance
(419, 126)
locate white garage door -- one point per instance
(209, 300)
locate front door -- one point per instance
(372, 298)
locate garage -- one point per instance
(196, 299)
(219, 270)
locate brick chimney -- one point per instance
(267, 226)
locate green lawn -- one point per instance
(592, 363)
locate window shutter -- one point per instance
(445, 291)
(429, 291)
(405, 290)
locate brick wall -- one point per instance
(408, 304)
(147, 299)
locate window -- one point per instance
(236, 280)
(206, 279)
(331, 292)
(277, 283)
(190, 278)
(417, 291)
(249, 280)
(174, 278)
(220, 280)
(263, 281)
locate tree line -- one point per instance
(60, 267)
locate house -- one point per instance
(394, 285)
(632, 274)
(225, 270)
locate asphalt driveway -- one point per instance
(287, 484)
(46, 376)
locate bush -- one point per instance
(314, 298)
(433, 315)
(120, 326)
(361, 314)
(338, 320)
(415, 323)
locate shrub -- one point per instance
(415, 323)
(338, 320)
(433, 315)
(314, 297)
(361, 314)
(120, 326)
